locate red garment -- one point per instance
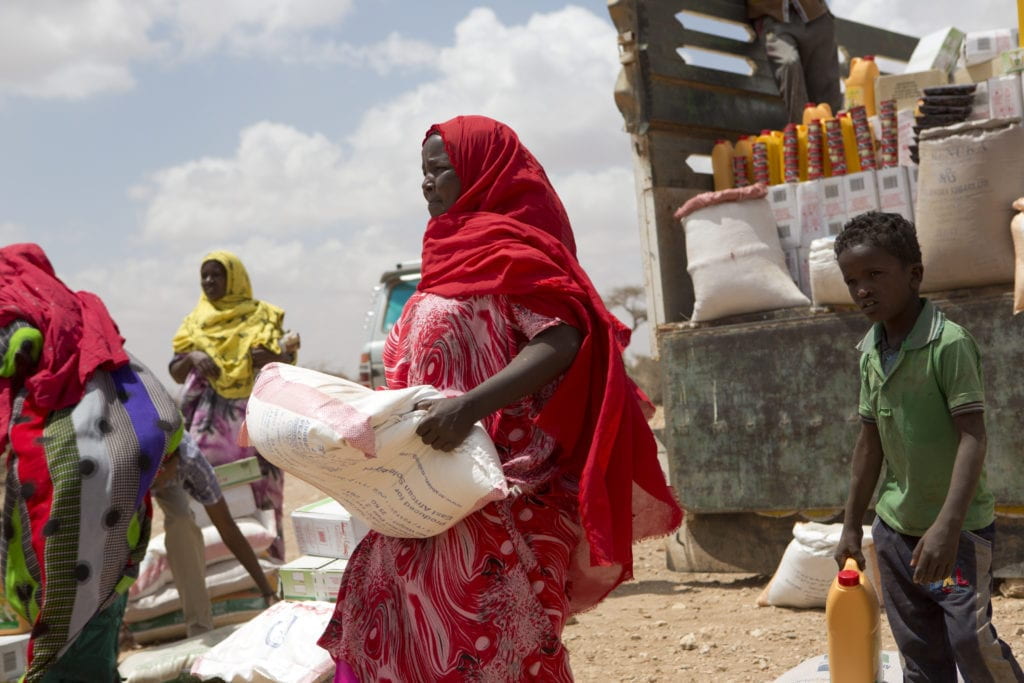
(79, 337)
(508, 234)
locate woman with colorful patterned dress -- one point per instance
(84, 428)
(221, 345)
(507, 322)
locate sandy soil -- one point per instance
(670, 626)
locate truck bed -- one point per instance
(761, 411)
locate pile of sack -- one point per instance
(154, 610)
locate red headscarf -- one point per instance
(79, 336)
(508, 234)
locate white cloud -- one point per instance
(319, 219)
(76, 49)
(394, 53)
(52, 48)
(248, 26)
(919, 18)
(280, 180)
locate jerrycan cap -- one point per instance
(721, 141)
(810, 105)
(870, 58)
(849, 577)
(765, 131)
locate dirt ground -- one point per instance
(670, 626)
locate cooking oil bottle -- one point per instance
(816, 111)
(854, 632)
(860, 86)
(773, 142)
(745, 148)
(849, 143)
(721, 164)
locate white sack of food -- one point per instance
(222, 578)
(736, 261)
(162, 663)
(360, 447)
(969, 176)
(808, 567)
(815, 670)
(277, 645)
(827, 284)
(260, 531)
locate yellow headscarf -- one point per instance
(226, 329)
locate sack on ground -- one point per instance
(234, 608)
(815, 670)
(162, 663)
(278, 645)
(360, 447)
(155, 571)
(735, 259)
(222, 578)
(969, 176)
(807, 568)
(828, 288)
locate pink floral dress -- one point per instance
(486, 600)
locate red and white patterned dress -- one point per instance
(486, 600)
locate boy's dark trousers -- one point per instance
(945, 625)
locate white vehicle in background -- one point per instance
(389, 297)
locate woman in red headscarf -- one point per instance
(506, 321)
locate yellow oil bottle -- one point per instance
(721, 164)
(860, 86)
(853, 620)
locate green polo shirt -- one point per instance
(937, 375)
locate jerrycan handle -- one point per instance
(851, 564)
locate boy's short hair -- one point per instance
(889, 231)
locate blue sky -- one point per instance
(137, 135)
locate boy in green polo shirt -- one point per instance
(921, 410)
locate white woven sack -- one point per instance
(736, 262)
(807, 568)
(827, 284)
(970, 174)
(279, 644)
(360, 447)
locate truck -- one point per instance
(761, 409)
(395, 287)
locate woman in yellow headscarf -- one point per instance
(219, 348)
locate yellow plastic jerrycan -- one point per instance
(773, 141)
(849, 143)
(721, 164)
(816, 111)
(860, 86)
(854, 633)
(745, 148)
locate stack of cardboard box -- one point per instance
(326, 535)
(813, 209)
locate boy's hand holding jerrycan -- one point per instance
(854, 633)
